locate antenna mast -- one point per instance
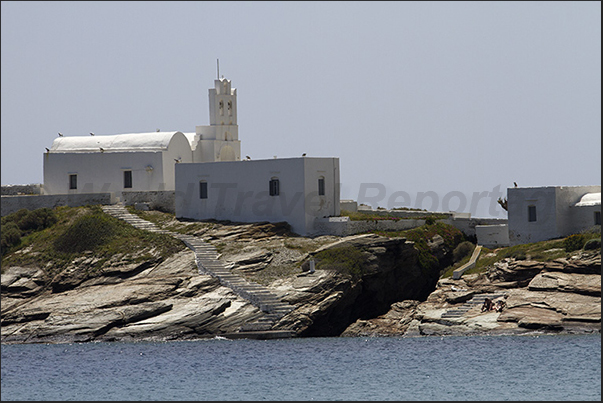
(218, 62)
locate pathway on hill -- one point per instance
(207, 261)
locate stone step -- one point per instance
(206, 257)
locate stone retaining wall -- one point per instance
(162, 200)
(11, 204)
(14, 190)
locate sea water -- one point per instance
(545, 367)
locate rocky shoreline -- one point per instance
(561, 296)
(392, 295)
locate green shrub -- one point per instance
(347, 260)
(593, 244)
(86, 233)
(37, 220)
(427, 260)
(463, 249)
(574, 242)
(431, 220)
(11, 236)
(16, 216)
(23, 222)
(518, 255)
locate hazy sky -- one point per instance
(455, 98)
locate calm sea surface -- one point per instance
(430, 368)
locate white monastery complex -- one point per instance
(200, 175)
(203, 169)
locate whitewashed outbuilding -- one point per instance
(142, 161)
(540, 213)
(296, 190)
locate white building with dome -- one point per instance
(540, 213)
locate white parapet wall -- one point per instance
(492, 236)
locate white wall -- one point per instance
(239, 191)
(178, 149)
(492, 236)
(101, 172)
(320, 206)
(582, 217)
(571, 219)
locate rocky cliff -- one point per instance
(362, 285)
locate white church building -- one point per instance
(142, 161)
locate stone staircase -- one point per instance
(476, 300)
(207, 261)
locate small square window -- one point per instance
(203, 190)
(72, 181)
(531, 213)
(127, 179)
(274, 187)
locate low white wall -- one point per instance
(349, 205)
(492, 236)
(343, 226)
(340, 227)
(11, 204)
(468, 225)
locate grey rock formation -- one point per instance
(563, 295)
(165, 301)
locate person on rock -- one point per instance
(488, 305)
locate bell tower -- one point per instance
(220, 140)
(222, 103)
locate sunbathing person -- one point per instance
(488, 305)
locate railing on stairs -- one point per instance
(470, 264)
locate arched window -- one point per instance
(274, 187)
(221, 107)
(229, 108)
